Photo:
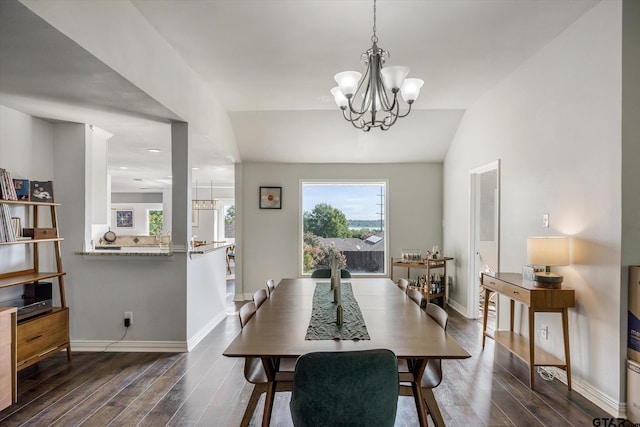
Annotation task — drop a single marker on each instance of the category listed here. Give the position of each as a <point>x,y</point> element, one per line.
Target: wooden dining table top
<point>393,321</point>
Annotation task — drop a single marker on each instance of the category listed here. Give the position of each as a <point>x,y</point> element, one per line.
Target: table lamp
<point>548,251</point>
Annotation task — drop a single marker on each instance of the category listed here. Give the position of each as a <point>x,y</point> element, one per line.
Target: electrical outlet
<point>544,332</point>
<point>545,220</point>
<point>128,315</point>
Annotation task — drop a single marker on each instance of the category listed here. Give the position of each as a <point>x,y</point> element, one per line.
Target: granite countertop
<point>129,251</point>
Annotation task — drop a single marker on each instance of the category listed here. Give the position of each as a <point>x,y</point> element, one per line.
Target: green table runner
<point>323,326</point>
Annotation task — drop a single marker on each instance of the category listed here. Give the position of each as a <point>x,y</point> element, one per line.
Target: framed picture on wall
<point>270,197</point>
<point>124,218</point>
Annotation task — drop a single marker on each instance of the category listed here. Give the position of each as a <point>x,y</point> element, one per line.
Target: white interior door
<point>484,228</point>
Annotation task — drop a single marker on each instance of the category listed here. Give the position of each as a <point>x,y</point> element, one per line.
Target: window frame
<point>354,182</point>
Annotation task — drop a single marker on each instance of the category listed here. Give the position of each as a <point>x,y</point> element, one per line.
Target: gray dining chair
<point>254,370</point>
<point>432,376</point>
<point>415,295</point>
<point>271,286</point>
<point>325,273</point>
<point>259,297</point>
<point>403,284</point>
<point>345,388</point>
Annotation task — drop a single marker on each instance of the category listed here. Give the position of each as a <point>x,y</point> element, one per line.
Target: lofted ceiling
<point>271,65</point>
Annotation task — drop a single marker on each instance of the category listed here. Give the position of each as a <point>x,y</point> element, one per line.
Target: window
<point>350,215</point>
<point>154,219</point>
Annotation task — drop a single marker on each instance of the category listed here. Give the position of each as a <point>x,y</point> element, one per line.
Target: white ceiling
<point>271,63</point>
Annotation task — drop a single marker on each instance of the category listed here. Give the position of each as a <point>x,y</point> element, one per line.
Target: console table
<point>429,264</point>
<point>537,299</point>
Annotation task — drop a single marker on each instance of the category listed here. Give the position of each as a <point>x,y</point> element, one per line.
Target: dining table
<point>393,321</point>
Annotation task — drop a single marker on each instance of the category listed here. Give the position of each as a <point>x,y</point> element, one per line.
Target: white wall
<point>269,239</point>
<point>555,125</point>
<point>26,152</point>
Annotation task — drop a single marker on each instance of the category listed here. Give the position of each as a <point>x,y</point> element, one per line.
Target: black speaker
<point>38,291</point>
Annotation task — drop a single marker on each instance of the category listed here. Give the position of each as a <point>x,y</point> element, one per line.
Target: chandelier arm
<point>353,120</point>
<point>408,111</point>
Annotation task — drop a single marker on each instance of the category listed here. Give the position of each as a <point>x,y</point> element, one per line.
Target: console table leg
<point>532,339</point>
<point>485,312</point>
<point>565,333</point>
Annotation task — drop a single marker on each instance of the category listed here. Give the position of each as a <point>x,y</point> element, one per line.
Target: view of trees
<point>326,221</point>
<point>230,216</point>
<point>155,223</point>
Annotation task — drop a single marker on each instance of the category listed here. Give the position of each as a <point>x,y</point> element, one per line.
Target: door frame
<point>473,299</point>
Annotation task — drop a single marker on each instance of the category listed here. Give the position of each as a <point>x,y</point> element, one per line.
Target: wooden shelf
<point>28,278</point>
<point>519,346</point>
<point>26,241</point>
<point>27,203</point>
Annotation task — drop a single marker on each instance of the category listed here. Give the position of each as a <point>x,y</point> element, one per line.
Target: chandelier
<point>204,204</point>
<point>373,100</point>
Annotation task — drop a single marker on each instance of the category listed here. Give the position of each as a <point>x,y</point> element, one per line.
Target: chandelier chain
<point>374,37</point>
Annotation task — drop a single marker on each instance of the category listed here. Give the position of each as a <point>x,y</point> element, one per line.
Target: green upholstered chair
<point>350,388</point>
<point>325,273</point>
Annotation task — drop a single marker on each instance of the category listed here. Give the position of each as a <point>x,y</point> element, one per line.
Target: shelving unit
<point>429,264</point>
<point>47,333</point>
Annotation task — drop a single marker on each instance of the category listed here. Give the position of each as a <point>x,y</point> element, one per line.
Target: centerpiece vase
<point>335,276</point>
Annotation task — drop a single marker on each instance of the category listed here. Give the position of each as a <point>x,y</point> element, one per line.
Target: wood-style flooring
<point>204,388</point>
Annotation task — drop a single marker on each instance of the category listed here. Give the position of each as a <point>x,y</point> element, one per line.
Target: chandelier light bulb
<point>348,82</point>
<point>393,77</point>
<point>411,89</point>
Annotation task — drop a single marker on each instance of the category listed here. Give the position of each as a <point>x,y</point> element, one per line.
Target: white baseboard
<point>597,397</point>
<point>130,346</point>
<point>243,297</point>
<point>202,333</point>
<point>457,307</point>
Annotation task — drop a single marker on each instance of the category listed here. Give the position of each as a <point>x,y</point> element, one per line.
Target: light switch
<point>545,221</point>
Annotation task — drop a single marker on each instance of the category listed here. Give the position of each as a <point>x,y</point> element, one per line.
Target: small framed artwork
<point>124,218</point>
<point>22,188</point>
<point>270,197</point>
<point>41,191</point>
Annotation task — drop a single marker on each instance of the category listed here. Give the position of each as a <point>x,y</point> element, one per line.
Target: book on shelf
<point>7,190</point>
<point>7,233</point>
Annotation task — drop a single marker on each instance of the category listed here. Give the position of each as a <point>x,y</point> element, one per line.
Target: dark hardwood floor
<point>205,388</point>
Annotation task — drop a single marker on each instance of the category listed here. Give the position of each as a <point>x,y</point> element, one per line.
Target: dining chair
<point>325,273</point>
<point>259,297</point>
<point>432,376</point>
<point>254,370</point>
<point>231,256</point>
<point>354,388</point>
<point>415,295</point>
<point>403,284</point>
<point>271,286</point>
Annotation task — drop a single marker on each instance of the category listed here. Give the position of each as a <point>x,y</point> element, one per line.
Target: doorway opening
<point>484,240</point>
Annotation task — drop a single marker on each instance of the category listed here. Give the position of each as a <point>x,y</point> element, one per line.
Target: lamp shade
<point>411,89</point>
<point>339,97</point>
<point>393,77</point>
<point>348,82</point>
<point>548,251</point>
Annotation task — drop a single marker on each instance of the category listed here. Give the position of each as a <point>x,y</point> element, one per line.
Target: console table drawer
<point>42,334</point>
<point>515,292</point>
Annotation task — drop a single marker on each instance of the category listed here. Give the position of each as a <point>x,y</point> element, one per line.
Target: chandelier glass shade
<point>372,101</point>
